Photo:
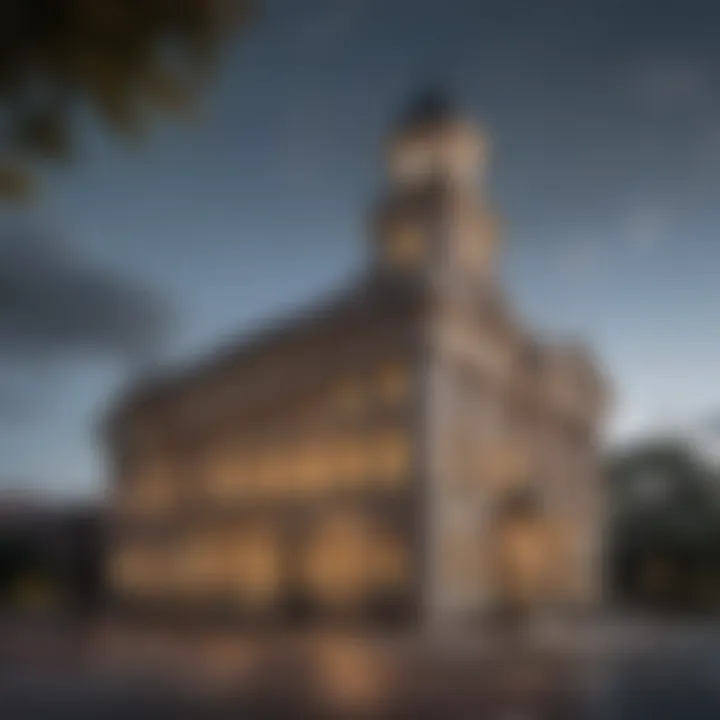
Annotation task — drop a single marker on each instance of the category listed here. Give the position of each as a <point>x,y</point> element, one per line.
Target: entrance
<point>520,551</point>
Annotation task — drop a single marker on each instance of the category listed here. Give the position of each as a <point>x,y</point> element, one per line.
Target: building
<point>403,451</point>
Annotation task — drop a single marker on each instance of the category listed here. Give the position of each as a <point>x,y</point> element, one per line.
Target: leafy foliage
<point>665,542</point>
<point>119,57</point>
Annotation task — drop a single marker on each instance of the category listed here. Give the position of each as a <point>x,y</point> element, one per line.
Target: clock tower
<point>433,220</point>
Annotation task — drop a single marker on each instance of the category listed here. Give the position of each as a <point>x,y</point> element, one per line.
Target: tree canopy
<point>664,534</point>
<point>120,58</point>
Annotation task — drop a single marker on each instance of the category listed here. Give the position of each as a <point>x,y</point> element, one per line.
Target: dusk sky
<point>605,124</point>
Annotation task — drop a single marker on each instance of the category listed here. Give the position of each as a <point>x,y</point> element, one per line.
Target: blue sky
<point>605,123</point>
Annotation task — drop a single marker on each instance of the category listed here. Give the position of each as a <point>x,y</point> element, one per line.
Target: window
<point>350,396</point>
<point>227,472</point>
<point>197,564</point>
<point>152,491</point>
<point>405,246</point>
<point>390,561</point>
<point>353,461</point>
<point>392,457</point>
<point>268,471</point>
<point>310,467</point>
<point>256,565</point>
<point>335,561</point>
<point>126,569</point>
<point>411,162</point>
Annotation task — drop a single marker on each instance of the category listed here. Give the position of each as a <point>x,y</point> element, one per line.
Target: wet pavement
<point>618,671</point>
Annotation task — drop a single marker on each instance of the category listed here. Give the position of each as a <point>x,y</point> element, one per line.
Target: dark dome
<point>429,106</point>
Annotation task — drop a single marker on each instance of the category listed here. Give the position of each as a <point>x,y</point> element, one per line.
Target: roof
<point>360,300</point>
<point>430,106</point>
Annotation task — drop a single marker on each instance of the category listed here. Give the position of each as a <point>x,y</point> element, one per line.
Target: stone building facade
<point>404,451</point>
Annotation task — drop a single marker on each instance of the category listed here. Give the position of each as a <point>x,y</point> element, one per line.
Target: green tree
<point>665,528</point>
<point>120,58</point>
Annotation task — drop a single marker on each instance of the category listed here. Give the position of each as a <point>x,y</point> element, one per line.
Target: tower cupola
<point>433,218</point>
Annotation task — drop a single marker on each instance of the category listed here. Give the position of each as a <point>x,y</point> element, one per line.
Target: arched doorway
<point>520,549</point>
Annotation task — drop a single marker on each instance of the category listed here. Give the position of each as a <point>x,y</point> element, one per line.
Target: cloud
<point>646,227</point>
<point>670,84</point>
<point>54,305</point>
<point>585,249</point>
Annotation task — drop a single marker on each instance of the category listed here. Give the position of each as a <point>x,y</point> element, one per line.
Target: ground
<point>619,670</point>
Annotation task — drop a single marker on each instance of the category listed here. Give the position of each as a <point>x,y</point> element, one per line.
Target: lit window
<point>126,569</point>
<point>405,246</point>
<point>350,397</point>
<point>152,491</point>
<point>257,565</point>
<point>307,472</point>
<point>352,461</point>
<point>391,568</point>
<point>197,564</point>
<point>392,457</point>
<point>225,471</point>
<point>411,162</point>
<point>140,569</point>
<point>265,469</point>
<point>336,561</point>
<point>277,469</point>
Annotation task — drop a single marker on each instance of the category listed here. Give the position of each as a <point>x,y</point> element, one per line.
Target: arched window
<point>350,396</point>
<point>335,561</point>
<point>391,457</point>
<point>255,565</point>
<point>390,561</point>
